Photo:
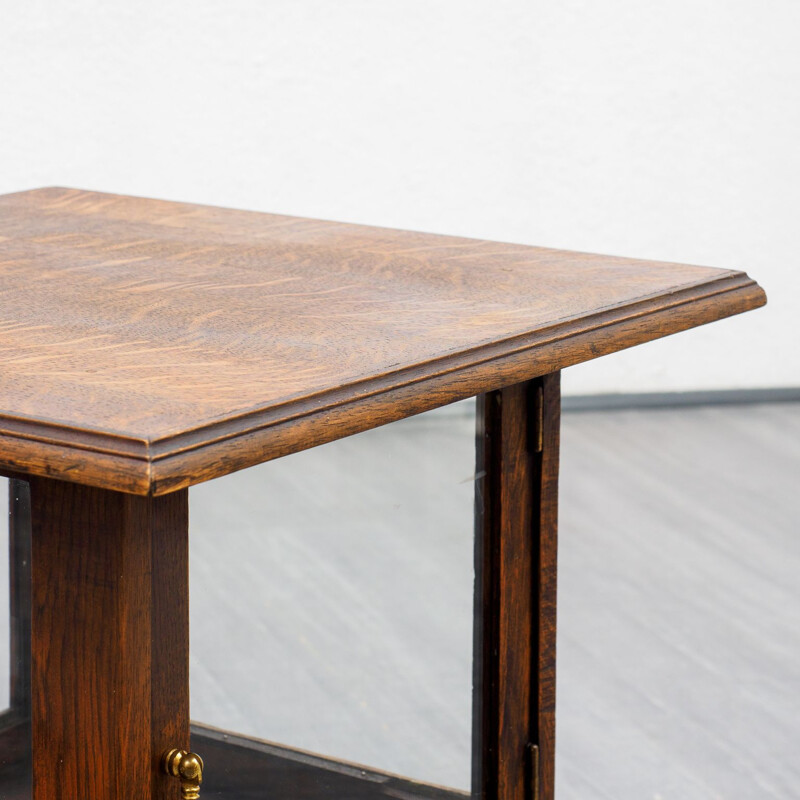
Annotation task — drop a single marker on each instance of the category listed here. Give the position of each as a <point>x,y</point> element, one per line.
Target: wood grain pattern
<point>546,562</point>
<point>515,524</point>
<point>109,641</point>
<point>147,345</point>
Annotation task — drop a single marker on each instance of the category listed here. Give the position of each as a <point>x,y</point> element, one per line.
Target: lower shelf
<point>15,757</point>
<point>15,781</point>
<point>240,768</point>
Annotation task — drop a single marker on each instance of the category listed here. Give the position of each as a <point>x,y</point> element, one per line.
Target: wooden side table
<point>147,346</point>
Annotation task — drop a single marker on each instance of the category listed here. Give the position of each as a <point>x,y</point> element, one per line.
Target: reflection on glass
<point>15,741</point>
<point>332,604</point>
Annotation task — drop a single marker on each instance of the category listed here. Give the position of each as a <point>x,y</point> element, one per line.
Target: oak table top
<point>148,345</point>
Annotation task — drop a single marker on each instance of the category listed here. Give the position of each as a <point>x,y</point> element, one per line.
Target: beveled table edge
<point>139,466</point>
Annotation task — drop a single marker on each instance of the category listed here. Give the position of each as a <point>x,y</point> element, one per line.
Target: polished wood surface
<point>516,507</point>
<point>546,570</point>
<point>109,639</point>
<point>147,345</point>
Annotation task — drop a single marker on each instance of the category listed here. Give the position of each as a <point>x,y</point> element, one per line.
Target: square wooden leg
<point>516,541</point>
<point>109,641</point>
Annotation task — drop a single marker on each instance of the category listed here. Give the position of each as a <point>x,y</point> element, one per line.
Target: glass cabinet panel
<point>332,612</point>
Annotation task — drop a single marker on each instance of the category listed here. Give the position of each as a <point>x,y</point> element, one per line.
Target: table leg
<point>515,621</point>
<point>109,641</point>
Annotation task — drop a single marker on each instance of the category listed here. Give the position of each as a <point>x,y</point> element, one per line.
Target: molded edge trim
<point>165,465</point>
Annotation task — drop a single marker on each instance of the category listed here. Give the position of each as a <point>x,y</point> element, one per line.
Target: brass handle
<point>188,767</point>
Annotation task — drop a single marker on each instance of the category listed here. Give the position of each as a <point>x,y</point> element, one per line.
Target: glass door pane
<point>332,610</point>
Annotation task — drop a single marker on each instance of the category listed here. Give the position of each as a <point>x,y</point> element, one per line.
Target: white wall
<point>663,130</point>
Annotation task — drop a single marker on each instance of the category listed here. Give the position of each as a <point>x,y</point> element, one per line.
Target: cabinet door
<point>395,647</point>
<point>375,617</point>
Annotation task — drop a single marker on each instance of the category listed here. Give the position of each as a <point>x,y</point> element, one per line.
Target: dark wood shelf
<point>241,768</point>
<point>16,768</point>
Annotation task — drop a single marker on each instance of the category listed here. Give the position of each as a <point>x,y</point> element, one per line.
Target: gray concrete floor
<point>332,602</point>
<point>332,596</point>
<point>680,605</point>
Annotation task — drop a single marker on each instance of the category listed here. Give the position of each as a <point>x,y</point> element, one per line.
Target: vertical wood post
<point>109,636</point>
<point>516,511</point>
<point>19,563</point>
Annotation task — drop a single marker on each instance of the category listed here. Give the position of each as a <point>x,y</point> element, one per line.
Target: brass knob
<point>188,767</point>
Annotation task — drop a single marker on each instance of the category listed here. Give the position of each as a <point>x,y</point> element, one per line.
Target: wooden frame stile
<point>516,513</point>
<point>109,640</point>
<point>19,562</point>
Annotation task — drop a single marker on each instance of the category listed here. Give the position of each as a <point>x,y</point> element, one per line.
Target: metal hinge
<point>533,766</point>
